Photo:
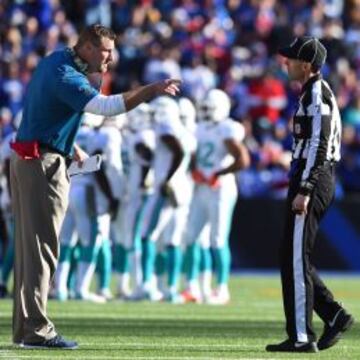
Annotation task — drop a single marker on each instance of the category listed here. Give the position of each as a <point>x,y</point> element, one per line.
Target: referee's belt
<point>302,162</point>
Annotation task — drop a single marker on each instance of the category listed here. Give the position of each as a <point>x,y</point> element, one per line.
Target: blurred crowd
<point>229,44</point>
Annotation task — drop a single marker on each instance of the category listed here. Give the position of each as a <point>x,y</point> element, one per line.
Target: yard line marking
<point>53,355</point>
<point>260,322</point>
<point>174,346</point>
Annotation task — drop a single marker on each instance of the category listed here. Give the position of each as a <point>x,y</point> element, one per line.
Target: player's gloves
<point>198,177</point>
<point>213,181</point>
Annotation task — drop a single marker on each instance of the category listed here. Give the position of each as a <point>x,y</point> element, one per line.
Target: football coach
<point>58,94</point>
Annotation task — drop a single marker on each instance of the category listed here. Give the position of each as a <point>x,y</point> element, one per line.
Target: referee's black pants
<point>303,290</point>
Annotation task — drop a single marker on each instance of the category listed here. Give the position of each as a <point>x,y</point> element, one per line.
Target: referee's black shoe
<point>333,331</point>
<point>291,346</point>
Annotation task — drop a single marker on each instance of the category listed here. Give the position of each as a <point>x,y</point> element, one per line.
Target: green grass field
<point>163,331</point>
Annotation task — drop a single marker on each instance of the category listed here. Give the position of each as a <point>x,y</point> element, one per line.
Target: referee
<point>316,150</point>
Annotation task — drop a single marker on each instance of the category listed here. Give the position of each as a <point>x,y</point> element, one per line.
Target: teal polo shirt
<point>54,102</point>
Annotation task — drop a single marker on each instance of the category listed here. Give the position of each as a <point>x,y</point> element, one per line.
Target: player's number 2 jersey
<point>212,154</point>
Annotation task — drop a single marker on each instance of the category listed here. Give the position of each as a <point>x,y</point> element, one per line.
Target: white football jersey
<point>132,162</point>
<point>163,156</point>
<point>5,150</point>
<point>107,139</point>
<point>212,154</point>
<point>181,181</point>
<point>82,139</point>
<point>5,154</point>
<point>125,151</point>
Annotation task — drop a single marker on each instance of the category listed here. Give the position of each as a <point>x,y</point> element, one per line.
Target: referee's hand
<point>300,204</point>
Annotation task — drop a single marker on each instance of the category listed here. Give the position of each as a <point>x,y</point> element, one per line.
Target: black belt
<point>302,162</point>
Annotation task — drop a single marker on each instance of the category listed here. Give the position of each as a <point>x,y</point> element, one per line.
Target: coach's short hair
<point>94,34</point>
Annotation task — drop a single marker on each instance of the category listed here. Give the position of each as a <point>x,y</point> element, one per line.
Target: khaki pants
<point>40,190</point>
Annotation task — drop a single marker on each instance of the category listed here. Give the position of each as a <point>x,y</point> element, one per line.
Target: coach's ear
<point>89,46</point>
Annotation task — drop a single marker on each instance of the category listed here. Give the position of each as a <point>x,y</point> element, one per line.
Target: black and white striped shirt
<point>316,129</point>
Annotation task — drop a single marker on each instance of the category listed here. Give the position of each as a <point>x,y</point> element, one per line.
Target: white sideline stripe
<point>147,319</point>
<point>53,355</point>
<point>149,345</point>
<point>130,357</point>
<point>239,325</point>
<point>299,280</point>
<point>173,346</point>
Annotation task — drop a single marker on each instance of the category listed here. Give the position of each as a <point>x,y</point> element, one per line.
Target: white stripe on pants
<point>299,279</point>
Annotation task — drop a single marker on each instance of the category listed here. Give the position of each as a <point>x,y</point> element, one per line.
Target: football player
<point>137,150</point>
<point>78,225</point>
<point>107,185</point>
<point>220,153</point>
<point>169,166</point>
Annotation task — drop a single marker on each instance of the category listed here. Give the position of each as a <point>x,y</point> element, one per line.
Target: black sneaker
<point>291,346</point>
<point>334,329</point>
<point>56,342</point>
